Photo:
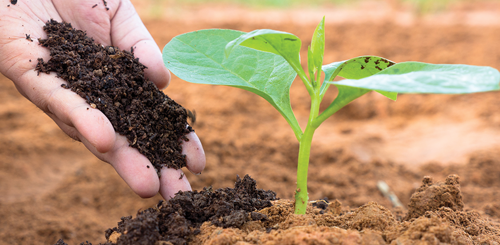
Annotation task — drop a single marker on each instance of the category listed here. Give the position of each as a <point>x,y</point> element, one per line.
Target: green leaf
<point>277,42</point>
<point>348,94</point>
<point>357,68</point>
<point>198,57</point>
<point>318,44</point>
<point>310,64</point>
<point>417,77</point>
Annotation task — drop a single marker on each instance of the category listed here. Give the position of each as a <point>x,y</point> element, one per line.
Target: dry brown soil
<point>51,187</point>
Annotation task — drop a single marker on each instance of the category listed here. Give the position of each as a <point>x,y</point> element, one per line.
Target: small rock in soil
<point>113,81</point>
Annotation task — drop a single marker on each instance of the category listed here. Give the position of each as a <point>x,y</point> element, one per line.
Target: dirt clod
<point>431,197</point>
<point>113,81</point>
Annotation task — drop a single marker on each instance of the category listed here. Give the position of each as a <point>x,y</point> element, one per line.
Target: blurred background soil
<point>51,187</point>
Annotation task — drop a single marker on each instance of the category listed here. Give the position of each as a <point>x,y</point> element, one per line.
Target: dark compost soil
<point>113,81</point>
<point>179,219</point>
<point>51,187</point>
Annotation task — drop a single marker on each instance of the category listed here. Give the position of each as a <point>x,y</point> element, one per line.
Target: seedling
<point>266,62</point>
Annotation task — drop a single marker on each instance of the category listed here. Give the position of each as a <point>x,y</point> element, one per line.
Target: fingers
<point>143,180</point>
<point>195,156</point>
<point>70,109</point>
<point>91,123</point>
<point>150,55</point>
<point>172,181</point>
<point>134,168</point>
<point>127,30</point>
<point>97,133</point>
<point>94,130</point>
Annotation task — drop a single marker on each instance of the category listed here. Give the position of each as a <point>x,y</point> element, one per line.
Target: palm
<point>121,27</point>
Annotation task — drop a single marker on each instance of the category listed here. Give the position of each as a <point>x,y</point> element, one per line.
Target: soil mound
<point>432,197</point>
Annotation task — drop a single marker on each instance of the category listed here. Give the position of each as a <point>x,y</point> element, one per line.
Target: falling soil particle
<point>105,4</point>
<point>113,81</point>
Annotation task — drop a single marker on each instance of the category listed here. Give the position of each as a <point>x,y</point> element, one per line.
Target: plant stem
<point>343,98</point>
<point>301,195</point>
<point>300,72</point>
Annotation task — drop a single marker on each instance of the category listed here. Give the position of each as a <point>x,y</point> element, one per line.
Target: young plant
<point>266,63</point>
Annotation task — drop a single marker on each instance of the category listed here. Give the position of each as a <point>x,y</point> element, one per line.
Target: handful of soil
<point>113,81</point>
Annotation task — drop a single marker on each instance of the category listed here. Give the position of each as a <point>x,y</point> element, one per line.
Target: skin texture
<point>119,26</point>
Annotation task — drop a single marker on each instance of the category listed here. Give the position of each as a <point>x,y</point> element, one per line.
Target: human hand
<point>119,26</point>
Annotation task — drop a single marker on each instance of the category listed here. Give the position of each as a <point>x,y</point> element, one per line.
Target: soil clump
<point>113,81</point>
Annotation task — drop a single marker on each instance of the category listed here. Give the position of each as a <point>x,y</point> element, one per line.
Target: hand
<point>119,26</point>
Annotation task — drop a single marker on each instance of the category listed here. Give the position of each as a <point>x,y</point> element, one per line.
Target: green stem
<point>342,100</point>
<point>295,126</point>
<point>301,195</point>
<point>300,72</point>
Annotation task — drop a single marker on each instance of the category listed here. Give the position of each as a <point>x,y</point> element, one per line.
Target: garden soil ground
<point>51,187</point>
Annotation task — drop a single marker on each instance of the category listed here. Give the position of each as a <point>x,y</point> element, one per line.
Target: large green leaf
<point>417,77</point>
<point>277,42</point>
<point>198,57</point>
